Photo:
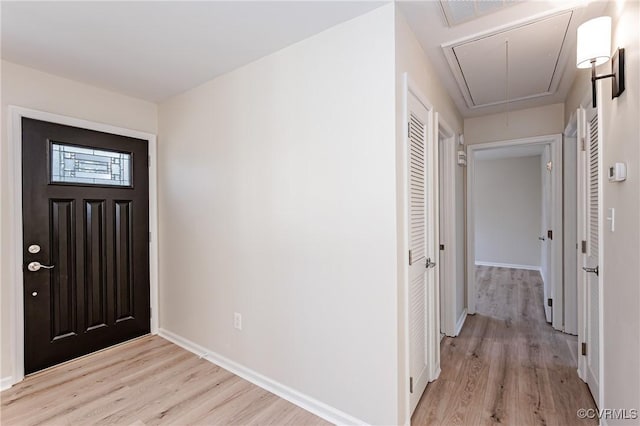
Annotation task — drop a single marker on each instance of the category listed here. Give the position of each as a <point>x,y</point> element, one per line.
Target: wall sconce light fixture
<point>594,48</point>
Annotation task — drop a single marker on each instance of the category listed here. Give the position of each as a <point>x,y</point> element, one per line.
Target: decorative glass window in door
<point>81,165</point>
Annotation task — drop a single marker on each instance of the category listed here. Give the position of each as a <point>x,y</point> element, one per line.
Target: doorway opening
<point>497,236</point>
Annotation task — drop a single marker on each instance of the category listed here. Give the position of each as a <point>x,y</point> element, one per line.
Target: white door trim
<point>16,114</point>
<point>433,334</point>
<point>581,128</point>
<point>448,268</point>
<point>555,141</point>
<point>571,243</point>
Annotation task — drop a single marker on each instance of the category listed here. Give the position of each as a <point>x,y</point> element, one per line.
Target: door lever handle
<point>36,266</point>
<point>591,270</point>
<point>430,264</point>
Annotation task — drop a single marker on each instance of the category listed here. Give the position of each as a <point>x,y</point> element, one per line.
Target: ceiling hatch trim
<point>458,12</point>
<point>536,60</point>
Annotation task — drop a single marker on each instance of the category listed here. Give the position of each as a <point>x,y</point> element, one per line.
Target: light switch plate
<point>612,219</point>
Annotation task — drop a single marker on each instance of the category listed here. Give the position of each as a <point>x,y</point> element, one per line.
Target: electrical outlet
<point>237,321</point>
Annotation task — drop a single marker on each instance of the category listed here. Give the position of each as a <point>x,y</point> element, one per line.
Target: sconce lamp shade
<point>594,42</point>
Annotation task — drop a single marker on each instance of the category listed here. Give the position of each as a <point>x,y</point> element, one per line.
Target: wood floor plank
<point>65,399</point>
<point>147,381</point>
<point>508,366</point>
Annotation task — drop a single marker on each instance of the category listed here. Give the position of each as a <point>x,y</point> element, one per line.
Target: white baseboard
<point>436,374</point>
<point>6,383</point>
<point>306,402</point>
<point>507,265</point>
<point>461,321</point>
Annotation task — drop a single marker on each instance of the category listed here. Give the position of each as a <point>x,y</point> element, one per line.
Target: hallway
<point>508,365</point>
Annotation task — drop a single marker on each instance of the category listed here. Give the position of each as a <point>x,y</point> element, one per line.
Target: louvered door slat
<point>593,185</point>
<point>420,236</point>
<point>417,225</point>
<point>593,258</point>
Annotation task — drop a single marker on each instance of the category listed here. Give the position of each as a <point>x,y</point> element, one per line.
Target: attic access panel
<point>534,48</point>
<point>457,12</point>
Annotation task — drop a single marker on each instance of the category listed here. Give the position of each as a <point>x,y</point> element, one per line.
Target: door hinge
<point>408,128</point>
<point>149,161</point>
<point>410,258</point>
<point>550,234</point>
<point>441,246</point>
<point>411,384</point>
<point>149,236</point>
<point>584,349</point>
<point>550,165</point>
<point>549,302</point>
<point>150,312</point>
<point>584,246</point>
<point>582,144</point>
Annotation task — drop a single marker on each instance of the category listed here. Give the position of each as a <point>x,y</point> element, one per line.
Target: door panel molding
<point>96,271</point>
<point>16,276</point>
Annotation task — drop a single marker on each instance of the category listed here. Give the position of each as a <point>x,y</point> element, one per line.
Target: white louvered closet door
<point>592,258</point>
<point>420,238</point>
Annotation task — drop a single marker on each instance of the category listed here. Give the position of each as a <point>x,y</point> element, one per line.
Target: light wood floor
<point>148,381</point>
<point>507,366</point>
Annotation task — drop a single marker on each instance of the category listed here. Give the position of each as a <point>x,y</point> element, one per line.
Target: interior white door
<point>545,246</point>
<point>421,241</point>
<point>591,260</point>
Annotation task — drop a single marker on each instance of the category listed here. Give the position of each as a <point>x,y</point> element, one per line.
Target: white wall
<point>34,89</point>
<point>524,123</point>
<point>508,194</point>
<point>621,288</point>
<point>410,58</point>
<point>621,267</point>
<point>278,201</point>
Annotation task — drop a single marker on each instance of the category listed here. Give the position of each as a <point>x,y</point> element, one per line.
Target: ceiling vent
<point>511,63</point>
<point>460,11</point>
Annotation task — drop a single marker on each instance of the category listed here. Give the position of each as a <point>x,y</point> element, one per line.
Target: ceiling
<point>153,50</point>
<point>512,55</point>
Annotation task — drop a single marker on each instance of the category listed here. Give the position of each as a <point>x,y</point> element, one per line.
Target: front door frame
<point>16,275</point>
<point>555,142</point>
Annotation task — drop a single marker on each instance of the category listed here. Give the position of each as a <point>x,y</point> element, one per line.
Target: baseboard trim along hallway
<point>508,265</point>
<point>6,382</point>
<point>312,405</point>
<point>461,321</point>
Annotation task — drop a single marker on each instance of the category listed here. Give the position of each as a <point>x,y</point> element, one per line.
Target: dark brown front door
<point>85,198</point>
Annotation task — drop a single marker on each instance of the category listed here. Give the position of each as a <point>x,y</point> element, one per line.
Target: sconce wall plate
<point>617,69</point>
